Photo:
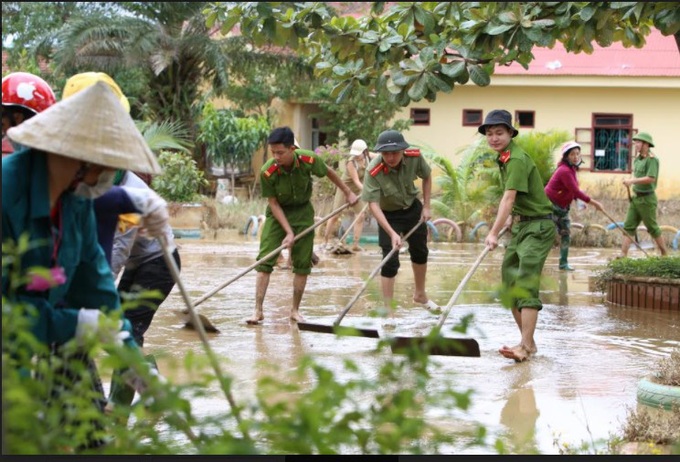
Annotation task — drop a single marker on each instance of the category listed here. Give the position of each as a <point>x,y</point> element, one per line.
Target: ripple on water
<point>577,387</point>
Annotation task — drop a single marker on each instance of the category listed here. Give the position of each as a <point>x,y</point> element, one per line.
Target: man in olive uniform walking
<point>533,233</point>
<point>286,182</point>
<point>643,205</point>
<point>392,195</point>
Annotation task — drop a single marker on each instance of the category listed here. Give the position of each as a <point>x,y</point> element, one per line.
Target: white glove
<point>153,208</point>
<point>89,326</point>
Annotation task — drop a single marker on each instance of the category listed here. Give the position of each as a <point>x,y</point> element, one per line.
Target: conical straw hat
<point>91,126</point>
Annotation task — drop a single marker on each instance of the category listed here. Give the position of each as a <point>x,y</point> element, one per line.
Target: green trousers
<point>524,259</point>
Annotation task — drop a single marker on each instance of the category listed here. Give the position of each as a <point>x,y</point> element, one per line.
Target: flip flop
<point>432,307</point>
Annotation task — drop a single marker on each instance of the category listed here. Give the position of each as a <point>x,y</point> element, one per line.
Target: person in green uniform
<point>286,182</point>
<point>392,195</point>
<point>643,205</point>
<point>352,176</point>
<point>525,203</point>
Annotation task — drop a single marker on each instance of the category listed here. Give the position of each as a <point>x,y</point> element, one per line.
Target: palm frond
<point>166,135</point>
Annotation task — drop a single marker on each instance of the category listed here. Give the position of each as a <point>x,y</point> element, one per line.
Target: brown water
<point>578,388</point>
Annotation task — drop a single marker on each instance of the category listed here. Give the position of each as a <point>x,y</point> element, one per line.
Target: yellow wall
<point>564,103</point>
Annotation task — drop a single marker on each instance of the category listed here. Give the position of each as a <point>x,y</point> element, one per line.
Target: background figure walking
<point>562,189</point>
<point>643,204</point>
<point>352,176</point>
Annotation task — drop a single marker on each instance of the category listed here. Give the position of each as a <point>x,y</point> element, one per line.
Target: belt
<point>528,218</point>
<point>643,193</point>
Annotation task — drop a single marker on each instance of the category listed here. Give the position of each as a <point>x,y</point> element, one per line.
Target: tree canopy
<point>418,49</point>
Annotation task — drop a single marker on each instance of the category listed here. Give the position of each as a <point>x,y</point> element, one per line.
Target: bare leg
<point>529,321</point>
<point>358,228</point>
<point>330,228</point>
<point>526,320</point>
<point>625,245</point>
<point>261,284</point>
<point>419,273</point>
<point>662,245</point>
<point>388,291</point>
<point>299,284</point>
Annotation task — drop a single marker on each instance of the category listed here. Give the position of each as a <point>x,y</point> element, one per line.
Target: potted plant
<point>652,283</point>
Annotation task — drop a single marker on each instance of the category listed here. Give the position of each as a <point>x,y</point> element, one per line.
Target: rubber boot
<point>121,394</point>
<point>564,253</point>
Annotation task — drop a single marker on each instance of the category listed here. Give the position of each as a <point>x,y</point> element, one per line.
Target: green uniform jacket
<point>393,188</point>
<point>293,188</point>
<point>519,173</point>
<point>25,209</point>
<point>649,166</point>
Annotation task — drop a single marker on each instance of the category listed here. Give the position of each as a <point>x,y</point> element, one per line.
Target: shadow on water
<point>576,389</point>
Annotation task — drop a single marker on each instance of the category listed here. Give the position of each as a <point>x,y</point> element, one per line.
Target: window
<point>420,116</point>
<point>525,119</point>
<point>611,142</point>
<point>472,117</point>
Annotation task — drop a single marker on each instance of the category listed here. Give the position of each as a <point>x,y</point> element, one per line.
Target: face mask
<point>17,146</point>
<point>104,183</point>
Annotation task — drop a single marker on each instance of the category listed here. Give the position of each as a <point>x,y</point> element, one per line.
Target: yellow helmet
<point>83,80</point>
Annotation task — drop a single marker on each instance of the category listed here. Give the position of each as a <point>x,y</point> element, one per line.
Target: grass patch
<point>657,267</point>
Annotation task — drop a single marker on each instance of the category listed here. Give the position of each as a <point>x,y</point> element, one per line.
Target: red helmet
<point>28,91</point>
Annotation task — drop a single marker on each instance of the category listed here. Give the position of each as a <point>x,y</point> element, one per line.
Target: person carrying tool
<point>130,242</point>
<point>642,207</point>
<point>562,189</point>
<point>352,176</point>
<point>286,182</point>
<point>533,231</point>
<point>130,216</point>
<point>390,191</point>
<point>70,149</point>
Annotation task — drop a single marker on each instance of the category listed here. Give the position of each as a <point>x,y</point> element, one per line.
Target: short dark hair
<point>282,135</point>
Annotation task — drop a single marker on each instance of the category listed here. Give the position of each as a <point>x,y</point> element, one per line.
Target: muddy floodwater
<point>578,388</point>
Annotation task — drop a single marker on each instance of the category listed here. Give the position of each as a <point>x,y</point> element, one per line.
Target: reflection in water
<point>583,378</point>
<point>564,289</point>
<point>520,413</point>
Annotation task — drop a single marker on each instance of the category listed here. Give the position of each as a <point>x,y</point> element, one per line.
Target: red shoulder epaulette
<point>504,157</point>
<point>308,159</point>
<point>413,152</point>
<point>381,167</point>
<point>272,168</point>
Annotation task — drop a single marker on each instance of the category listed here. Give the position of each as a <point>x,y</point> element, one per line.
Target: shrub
<point>657,267</point>
<point>181,178</point>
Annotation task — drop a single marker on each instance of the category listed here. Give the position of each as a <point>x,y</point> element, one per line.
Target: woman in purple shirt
<point>562,189</point>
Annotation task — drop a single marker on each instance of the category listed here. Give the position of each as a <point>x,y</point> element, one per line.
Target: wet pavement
<point>578,388</point>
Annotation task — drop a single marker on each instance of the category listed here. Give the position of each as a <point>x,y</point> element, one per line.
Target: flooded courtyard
<point>578,387</point>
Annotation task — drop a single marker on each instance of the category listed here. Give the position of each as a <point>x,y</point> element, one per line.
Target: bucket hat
<point>568,146</point>
<point>83,80</point>
<point>358,148</point>
<point>498,117</point>
<point>390,141</point>
<point>646,137</point>
<point>91,126</point>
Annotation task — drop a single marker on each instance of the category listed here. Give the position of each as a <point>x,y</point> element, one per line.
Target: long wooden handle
<point>270,254</point>
<point>624,232</point>
<point>354,222</point>
<point>174,271</point>
<point>372,275</point>
<point>461,285</point>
